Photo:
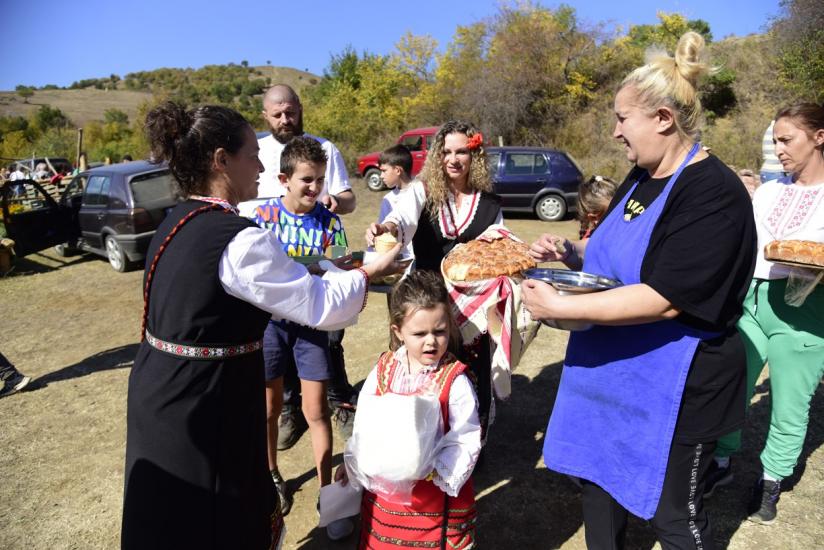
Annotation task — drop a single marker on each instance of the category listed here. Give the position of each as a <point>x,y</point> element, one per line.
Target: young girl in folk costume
<point>594,197</point>
<point>451,202</point>
<point>442,509</point>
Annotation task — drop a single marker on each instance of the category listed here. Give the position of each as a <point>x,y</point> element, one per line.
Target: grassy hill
<point>82,106</point>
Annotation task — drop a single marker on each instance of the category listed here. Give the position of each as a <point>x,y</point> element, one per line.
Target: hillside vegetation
<point>527,75</point>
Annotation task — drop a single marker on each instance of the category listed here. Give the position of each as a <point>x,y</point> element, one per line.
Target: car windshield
<point>153,189</point>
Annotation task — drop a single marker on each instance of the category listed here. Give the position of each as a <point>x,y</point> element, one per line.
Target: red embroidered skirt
<point>386,525</point>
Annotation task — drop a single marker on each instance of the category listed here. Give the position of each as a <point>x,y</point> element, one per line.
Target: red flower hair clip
<point>476,141</point>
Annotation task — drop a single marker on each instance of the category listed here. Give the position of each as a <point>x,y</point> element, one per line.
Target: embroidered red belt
<point>202,352</point>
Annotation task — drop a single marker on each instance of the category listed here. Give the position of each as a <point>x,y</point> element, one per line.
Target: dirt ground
<point>73,325</point>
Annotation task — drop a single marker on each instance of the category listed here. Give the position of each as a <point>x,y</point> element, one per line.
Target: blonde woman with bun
<point>647,391</point>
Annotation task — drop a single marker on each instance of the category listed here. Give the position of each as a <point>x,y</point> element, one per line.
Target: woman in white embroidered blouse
<point>790,337</point>
<point>449,194</point>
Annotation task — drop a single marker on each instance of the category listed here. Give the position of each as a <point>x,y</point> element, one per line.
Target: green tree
<point>49,117</point>
<point>15,145</point>
<point>799,36</point>
<point>115,116</point>
<point>24,91</point>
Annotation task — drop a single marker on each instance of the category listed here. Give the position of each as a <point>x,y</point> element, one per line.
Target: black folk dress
<point>196,467</point>
<point>433,240</point>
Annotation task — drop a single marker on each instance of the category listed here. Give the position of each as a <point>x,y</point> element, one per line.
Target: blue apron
<point>621,387</point>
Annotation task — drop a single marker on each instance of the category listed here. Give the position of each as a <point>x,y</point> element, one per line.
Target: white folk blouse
<point>408,210</point>
<point>460,446</point>
<point>255,269</point>
<point>786,211</point>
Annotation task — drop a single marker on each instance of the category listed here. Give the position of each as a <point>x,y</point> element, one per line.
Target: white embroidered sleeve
<point>461,445</point>
<point>255,269</point>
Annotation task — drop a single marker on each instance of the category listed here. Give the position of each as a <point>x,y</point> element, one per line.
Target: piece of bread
<point>385,242</point>
<point>477,260</point>
<point>802,252</point>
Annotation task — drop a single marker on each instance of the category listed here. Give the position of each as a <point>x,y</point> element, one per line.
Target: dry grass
<point>73,325</point>
<point>82,106</point>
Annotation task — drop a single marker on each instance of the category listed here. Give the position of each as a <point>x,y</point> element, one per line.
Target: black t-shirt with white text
<point>701,257</point>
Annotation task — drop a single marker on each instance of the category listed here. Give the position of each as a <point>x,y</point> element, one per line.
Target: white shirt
<point>336,181</point>
<point>459,448</point>
<point>255,269</point>
<point>771,162</point>
<point>17,175</point>
<point>407,212</point>
<point>786,211</point>
<point>389,202</point>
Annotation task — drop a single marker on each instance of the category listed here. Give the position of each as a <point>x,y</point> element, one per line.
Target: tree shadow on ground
<point>728,506</point>
<point>115,358</point>
<point>33,264</point>
<point>521,503</point>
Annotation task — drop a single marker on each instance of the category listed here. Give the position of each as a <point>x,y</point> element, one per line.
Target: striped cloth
<point>494,306</point>
<point>771,162</point>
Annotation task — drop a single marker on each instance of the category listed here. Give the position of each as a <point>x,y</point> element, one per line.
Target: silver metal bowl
<point>571,282</point>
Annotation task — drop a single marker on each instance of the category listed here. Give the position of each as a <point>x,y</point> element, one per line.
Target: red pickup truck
<point>417,141</point>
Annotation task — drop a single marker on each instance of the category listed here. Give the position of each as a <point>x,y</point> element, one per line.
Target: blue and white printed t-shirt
<point>308,234</point>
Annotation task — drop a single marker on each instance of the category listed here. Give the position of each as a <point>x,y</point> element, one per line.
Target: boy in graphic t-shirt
<point>305,228</point>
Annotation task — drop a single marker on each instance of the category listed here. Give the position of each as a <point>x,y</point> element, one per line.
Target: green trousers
<point>791,340</point>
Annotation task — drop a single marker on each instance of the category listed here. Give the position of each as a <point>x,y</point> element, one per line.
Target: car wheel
<point>114,252</point>
<point>373,180</point>
<point>551,208</point>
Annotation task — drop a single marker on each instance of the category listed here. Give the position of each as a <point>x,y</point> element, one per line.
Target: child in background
<point>305,228</point>
<point>442,510</point>
<point>594,197</point>
<point>396,166</point>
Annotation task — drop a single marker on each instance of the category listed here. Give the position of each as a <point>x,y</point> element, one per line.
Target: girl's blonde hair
<point>667,81</point>
<point>420,289</point>
<point>433,173</point>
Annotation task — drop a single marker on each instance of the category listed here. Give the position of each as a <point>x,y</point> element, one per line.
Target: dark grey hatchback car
<point>112,211</point>
<point>532,179</point>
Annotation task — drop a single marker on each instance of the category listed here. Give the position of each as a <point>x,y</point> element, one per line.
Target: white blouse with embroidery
<point>452,220</point>
<point>459,448</point>
<point>255,269</point>
<point>786,211</point>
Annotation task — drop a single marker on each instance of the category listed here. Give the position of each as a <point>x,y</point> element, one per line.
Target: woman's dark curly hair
<point>188,140</point>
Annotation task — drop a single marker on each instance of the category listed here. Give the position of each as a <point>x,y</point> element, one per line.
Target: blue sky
<point>58,42</point>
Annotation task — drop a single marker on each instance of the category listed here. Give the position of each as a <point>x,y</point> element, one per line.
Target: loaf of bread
<point>480,259</point>
<point>802,252</point>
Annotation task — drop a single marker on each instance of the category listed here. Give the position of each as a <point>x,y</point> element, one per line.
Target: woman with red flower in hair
<point>451,202</point>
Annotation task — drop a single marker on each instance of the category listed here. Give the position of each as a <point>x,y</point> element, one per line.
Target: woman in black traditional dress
<point>451,202</point>
<point>196,471</point>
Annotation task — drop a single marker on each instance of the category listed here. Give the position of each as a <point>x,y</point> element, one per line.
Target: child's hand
<point>376,229</point>
<point>341,475</point>
<point>373,231</point>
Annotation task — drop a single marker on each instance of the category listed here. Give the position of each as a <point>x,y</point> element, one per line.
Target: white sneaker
<point>340,529</point>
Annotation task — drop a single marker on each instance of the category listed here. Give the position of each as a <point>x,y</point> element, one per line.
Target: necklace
<point>216,200</point>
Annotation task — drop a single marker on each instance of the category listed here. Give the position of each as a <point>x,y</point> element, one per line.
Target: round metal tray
<point>570,282</point>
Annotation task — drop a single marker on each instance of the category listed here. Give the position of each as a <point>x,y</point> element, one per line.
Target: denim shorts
<point>286,343</point>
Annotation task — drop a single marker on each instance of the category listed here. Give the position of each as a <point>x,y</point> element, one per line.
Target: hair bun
<point>689,57</point>
<point>166,125</point>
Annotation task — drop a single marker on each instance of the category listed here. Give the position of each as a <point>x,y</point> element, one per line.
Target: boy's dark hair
<point>397,155</point>
<point>420,289</point>
<point>301,149</point>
